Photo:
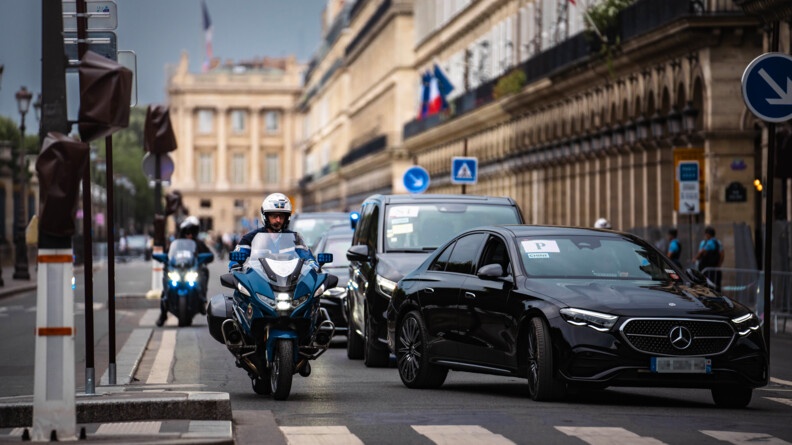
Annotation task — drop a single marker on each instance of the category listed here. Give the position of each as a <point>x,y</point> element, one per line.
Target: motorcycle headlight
<point>283,301</point>
<point>191,276</point>
<point>298,301</point>
<point>242,290</point>
<point>266,300</point>
<point>385,286</point>
<point>174,276</point>
<point>746,324</point>
<point>595,320</point>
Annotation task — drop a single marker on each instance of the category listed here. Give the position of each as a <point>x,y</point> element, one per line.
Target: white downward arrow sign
<point>417,182</point>
<point>784,97</point>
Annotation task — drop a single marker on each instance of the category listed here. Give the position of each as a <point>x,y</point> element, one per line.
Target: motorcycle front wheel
<point>185,317</point>
<point>282,369</point>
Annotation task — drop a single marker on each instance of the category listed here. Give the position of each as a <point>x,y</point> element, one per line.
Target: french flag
<point>439,88</point>
<point>207,27</point>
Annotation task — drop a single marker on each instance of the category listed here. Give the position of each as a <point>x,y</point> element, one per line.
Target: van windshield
<point>424,227</point>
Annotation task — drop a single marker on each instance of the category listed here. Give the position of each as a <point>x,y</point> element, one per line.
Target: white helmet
<point>276,203</point>
<point>190,225</point>
<point>602,223</point>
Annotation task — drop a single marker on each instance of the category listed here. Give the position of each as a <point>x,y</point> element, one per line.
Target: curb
<point>132,406</point>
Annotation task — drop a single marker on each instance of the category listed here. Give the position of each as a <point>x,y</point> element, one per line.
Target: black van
<point>395,234</point>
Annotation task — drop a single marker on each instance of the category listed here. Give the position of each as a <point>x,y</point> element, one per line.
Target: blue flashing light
<point>174,283</point>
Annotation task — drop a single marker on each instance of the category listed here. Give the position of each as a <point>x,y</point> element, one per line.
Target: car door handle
<point>429,290</point>
<point>470,295</point>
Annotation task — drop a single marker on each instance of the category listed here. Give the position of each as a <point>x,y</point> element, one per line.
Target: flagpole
<point>603,38</point>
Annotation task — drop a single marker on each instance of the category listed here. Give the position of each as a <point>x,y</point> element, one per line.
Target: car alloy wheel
<point>542,384</point>
<point>411,359</point>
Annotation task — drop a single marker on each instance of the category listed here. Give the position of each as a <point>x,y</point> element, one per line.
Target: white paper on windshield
<point>540,246</point>
<point>538,255</point>
<point>400,221</point>
<point>401,229</point>
<point>403,212</point>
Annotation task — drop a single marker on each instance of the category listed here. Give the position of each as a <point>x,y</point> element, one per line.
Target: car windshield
<point>137,242</point>
<point>313,227</point>
<point>424,227</point>
<point>592,257</point>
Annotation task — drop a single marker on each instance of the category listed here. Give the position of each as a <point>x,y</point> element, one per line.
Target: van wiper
<point>413,250</point>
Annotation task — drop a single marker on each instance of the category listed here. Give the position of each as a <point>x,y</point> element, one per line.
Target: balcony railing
<point>370,147</point>
<point>639,18</point>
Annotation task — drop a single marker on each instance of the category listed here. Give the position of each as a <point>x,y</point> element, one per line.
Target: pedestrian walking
<point>674,251</point>
<point>710,257</point>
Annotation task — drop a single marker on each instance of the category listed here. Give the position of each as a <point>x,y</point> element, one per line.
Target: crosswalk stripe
<point>319,435</point>
<point>128,428</point>
<point>738,438</point>
<point>780,400</point>
<point>460,435</point>
<point>607,435</point>
<point>162,362</point>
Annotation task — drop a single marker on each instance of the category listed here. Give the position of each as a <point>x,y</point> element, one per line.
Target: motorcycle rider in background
<point>276,210</point>
<point>188,229</point>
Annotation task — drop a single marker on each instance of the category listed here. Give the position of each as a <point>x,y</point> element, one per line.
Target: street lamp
<point>23,97</point>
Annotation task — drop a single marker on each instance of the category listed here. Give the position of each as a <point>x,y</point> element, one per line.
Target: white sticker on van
<point>402,229</point>
<point>538,255</point>
<point>540,245</point>
<point>403,212</point>
<point>400,221</point>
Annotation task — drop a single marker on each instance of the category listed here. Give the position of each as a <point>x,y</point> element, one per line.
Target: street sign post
<point>688,177</point>
<point>150,169</point>
<point>767,87</point>
<point>101,42</point>
<point>464,170</point>
<point>416,179</point>
<point>102,15</point>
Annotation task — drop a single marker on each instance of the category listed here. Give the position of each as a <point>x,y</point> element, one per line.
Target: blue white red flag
<point>439,89</point>
<point>426,79</point>
<point>207,27</point>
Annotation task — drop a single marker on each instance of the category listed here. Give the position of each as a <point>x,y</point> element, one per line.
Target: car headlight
<point>385,286</point>
<point>595,320</point>
<point>746,323</point>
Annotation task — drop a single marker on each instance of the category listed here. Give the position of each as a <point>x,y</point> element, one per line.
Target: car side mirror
<point>161,257</point>
<point>490,271</point>
<point>358,253</point>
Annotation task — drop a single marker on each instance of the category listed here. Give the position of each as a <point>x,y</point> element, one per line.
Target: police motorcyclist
<point>188,229</point>
<point>276,210</point>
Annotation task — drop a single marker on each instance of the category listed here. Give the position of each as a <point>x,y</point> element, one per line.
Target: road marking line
<point>319,435</point>
<point>162,362</point>
<point>738,438</point>
<point>780,400</point>
<point>780,382</point>
<point>460,435</point>
<point>607,435</point>
<point>128,428</point>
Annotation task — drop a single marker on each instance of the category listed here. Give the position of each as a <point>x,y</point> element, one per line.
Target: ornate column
<point>187,176</point>
<point>255,148</point>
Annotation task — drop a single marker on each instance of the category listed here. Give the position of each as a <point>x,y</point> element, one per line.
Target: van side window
<point>373,228</point>
<point>361,232</point>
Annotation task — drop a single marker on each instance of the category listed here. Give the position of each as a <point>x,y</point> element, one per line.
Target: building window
<point>206,203</point>
<point>272,122</point>
<point>238,168</point>
<point>205,121</point>
<point>238,121</point>
<point>239,204</point>
<point>205,168</point>
<point>272,169</point>
<point>206,223</point>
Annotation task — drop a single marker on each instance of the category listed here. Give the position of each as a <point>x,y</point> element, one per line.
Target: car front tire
<point>354,340</point>
<point>542,383</point>
<point>411,358</point>
<point>732,396</point>
<point>375,355</point>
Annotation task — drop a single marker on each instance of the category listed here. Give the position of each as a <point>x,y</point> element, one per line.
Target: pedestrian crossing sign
<point>464,170</point>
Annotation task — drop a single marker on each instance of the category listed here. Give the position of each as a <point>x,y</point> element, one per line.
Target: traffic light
<point>758,185</point>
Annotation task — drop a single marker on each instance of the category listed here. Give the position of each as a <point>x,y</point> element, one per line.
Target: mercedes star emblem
<point>680,337</point>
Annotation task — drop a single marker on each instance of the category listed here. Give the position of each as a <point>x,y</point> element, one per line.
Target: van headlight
<point>595,320</point>
<point>385,286</point>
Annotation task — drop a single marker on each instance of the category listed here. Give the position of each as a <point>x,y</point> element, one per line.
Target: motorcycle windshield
<point>278,250</point>
<point>182,252</point>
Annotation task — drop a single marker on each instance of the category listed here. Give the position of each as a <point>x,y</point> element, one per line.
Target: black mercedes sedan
<point>565,306</point>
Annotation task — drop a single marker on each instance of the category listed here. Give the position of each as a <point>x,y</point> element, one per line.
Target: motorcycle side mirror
<point>228,280</point>
<point>205,257</point>
<point>161,257</point>
<point>324,258</point>
<point>331,282</point>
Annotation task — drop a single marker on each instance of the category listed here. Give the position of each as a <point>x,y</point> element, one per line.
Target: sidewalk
<point>126,413</point>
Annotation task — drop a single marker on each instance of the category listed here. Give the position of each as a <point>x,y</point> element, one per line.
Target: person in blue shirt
<point>710,257</point>
<point>674,247</point>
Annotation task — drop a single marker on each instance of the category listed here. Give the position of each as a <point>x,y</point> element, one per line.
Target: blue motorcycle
<point>271,322</point>
<point>184,294</point>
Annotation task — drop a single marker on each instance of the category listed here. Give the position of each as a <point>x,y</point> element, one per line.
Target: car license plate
<point>681,365</point>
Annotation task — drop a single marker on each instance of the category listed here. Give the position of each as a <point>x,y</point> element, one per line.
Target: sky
<point>158,31</point>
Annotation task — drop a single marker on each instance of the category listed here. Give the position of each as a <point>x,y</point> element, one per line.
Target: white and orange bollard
<point>54,409</point>
<point>156,276</point>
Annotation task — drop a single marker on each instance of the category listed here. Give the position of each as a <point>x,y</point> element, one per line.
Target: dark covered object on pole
<point>105,95</point>
<point>158,136</point>
<point>60,165</point>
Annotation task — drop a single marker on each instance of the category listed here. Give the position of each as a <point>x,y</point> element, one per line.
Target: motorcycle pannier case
<point>220,309</point>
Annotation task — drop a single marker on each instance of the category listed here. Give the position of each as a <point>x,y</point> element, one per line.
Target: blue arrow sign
<point>416,179</point>
<point>767,87</point>
<point>464,170</point>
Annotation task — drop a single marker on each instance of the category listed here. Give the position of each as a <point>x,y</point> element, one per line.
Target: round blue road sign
<point>767,87</point>
<point>416,179</point>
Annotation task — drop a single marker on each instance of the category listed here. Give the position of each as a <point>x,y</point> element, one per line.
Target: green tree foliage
<point>128,155</point>
<point>510,83</point>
